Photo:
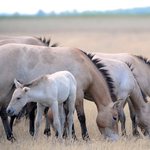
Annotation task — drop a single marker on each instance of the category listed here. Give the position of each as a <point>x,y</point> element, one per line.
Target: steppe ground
<point>107,34</point>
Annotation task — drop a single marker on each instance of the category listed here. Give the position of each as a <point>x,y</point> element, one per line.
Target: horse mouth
<point>10,112</point>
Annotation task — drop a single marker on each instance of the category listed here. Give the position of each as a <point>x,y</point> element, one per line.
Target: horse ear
<point>17,84</point>
<point>116,104</point>
<point>26,89</point>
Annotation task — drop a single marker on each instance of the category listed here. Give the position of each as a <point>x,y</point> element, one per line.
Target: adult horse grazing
<point>27,62</point>
<point>126,87</point>
<point>48,91</point>
<point>23,40</point>
<point>140,64</point>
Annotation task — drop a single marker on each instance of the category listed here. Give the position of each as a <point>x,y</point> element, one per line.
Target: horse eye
<point>18,98</point>
<point>114,118</point>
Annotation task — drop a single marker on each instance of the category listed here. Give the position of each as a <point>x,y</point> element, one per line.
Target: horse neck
<point>100,92</point>
<point>34,94</point>
<point>137,99</point>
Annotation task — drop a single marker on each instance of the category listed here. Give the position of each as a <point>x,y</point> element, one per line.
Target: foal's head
<point>18,100</point>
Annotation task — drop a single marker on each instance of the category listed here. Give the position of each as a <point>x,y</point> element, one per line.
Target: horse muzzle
<point>10,111</point>
<point>111,137</point>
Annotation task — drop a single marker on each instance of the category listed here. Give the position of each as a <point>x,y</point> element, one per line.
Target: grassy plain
<point>116,34</point>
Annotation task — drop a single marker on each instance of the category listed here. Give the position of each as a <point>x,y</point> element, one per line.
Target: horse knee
<point>56,124</point>
<point>37,124</point>
<point>70,118</point>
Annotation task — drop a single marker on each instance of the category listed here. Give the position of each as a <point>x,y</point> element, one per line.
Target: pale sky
<point>32,6</point>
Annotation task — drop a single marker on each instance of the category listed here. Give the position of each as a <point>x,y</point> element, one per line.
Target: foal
<point>48,91</point>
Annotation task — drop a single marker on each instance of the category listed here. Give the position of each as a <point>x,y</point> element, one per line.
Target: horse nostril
<point>114,118</point>
<point>8,111</point>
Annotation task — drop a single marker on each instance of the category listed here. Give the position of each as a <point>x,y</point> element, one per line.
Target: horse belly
<point>63,94</point>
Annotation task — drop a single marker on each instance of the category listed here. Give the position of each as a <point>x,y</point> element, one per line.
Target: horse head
<point>18,99</point>
<point>107,121</point>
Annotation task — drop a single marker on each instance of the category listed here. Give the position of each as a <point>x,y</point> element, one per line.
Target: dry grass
<point>97,34</point>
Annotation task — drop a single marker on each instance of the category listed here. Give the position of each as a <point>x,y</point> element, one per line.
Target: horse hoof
<point>11,138</point>
<point>47,132</point>
<point>86,138</point>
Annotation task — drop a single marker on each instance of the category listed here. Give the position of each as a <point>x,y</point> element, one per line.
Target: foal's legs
<point>56,122</point>
<point>62,116</point>
<point>40,110</point>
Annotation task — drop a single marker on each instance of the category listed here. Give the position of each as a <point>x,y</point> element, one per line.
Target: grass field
<point>91,34</point>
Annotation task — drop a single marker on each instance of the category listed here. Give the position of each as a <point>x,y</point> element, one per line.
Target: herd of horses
<point>108,80</point>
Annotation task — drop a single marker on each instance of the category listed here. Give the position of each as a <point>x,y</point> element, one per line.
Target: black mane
<point>47,42</point>
<point>144,59</point>
<point>105,73</point>
<point>143,94</point>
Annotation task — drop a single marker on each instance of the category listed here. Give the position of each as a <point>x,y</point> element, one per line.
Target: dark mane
<point>47,42</point>
<point>144,59</point>
<point>34,82</point>
<point>143,94</point>
<point>105,73</point>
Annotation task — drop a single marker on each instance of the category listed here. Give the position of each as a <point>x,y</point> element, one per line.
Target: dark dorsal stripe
<point>47,42</point>
<point>105,73</point>
<point>143,94</point>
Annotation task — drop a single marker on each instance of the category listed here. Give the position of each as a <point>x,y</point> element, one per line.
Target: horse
<point>31,41</point>
<point>126,87</point>
<point>27,62</point>
<point>140,64</point>
<point>48,91</point>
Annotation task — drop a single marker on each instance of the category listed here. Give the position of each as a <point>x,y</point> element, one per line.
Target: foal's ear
<point>26,89</point>
<point>17,84</point>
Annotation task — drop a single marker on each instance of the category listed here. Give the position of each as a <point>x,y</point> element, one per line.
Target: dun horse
<point>140,65</point>
<point>27,62</point>
<point>23,40</point>
<point>48,91</point>
<point>126,87</point>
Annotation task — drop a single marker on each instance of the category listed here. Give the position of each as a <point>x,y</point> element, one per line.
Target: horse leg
<point>135,131</point>
<point>62,116</point>
<point>70,116</point>
<point>31,121</point>
<point>8,131</point>
<point>81,117</point>
<point>40,110</point>
<point>122,117</point>
<point>12,118</point>
<point>47,130</point>
<point>56,122</point>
